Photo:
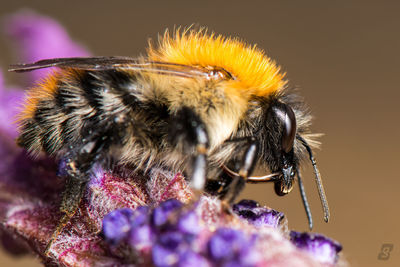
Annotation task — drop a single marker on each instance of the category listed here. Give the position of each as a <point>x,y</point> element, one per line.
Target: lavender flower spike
<point>117,225</point>
<point>256,215</point>
<point>38,37</point>
<point>9,99</point>
<point>320,247</point>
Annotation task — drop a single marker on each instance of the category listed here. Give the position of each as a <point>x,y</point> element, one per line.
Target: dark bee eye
<point>286,115</point>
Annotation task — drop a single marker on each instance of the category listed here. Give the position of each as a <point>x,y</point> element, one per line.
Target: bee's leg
<point>191,131</point>
<point>246,168</point>
<point>218,187</point>
<point>78,164</point>
<point>72,197</point>
<point>199,173</point>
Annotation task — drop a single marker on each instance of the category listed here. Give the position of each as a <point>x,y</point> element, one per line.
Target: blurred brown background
<point>345,59</point>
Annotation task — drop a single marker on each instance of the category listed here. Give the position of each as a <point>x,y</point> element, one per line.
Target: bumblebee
<point>199,103</point>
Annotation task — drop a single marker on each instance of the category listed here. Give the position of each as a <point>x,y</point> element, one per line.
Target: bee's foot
<point>226,207</point>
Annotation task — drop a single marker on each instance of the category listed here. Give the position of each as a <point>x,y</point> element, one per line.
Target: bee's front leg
<point>246,167</point>
<point>188,130</point>
<point>76,166</point>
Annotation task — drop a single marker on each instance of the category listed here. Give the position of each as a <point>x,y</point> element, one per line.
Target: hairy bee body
<point>199,103</point>
<point>140,113</point>
<point>137,110</point>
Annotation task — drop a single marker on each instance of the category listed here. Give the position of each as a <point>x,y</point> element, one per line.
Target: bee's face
<point>281,123</point>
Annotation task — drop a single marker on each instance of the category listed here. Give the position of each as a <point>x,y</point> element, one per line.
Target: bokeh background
<point>344,57</point>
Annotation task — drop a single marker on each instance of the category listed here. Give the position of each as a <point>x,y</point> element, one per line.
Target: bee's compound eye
<point>288,119</point>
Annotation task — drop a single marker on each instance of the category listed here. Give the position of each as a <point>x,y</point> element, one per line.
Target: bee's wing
<point>108,63</point>
<point>88,63</point>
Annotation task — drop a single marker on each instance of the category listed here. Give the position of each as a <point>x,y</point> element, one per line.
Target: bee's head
<point>281,128</point>
<point>283,146</point>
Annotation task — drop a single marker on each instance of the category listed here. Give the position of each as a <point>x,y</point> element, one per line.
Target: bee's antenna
<point>305,202</point>
<point>318,180</point>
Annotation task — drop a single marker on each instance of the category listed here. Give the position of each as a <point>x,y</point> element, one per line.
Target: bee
<point>212,107</point>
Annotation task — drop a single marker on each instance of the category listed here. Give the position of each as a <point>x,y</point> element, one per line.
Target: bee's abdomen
<point>42,131</point>
<point>71,105</point>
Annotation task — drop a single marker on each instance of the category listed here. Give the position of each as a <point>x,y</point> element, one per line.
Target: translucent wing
<point>109,63</point>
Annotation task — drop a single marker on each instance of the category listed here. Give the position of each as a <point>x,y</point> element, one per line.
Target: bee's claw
<point>47,249</point>
<point>226,207</point>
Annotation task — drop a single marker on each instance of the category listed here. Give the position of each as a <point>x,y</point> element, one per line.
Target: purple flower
<point>141,216</point>
<point>131,226</point>
<point>156,230</point>
<point>188,223</point>
<point>245,204</point>
<point>117,225</point>
<point>141,237</point>
<point>256,215</point>
<point>230,247</point>
<point>320,247</point>
<point>179,237</point>
<point>10,99</point>
<point>224,243</point>
<point>163,256</point>
<point>38,37</point>
<point>191,258</point>
<point>169,238</point>
<point>162,213</point>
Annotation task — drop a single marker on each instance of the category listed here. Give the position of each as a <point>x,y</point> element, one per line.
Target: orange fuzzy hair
<point>43,90</point>
<point>254,71</point>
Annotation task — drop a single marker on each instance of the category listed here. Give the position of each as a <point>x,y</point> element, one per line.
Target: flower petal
<point>322,248</point>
